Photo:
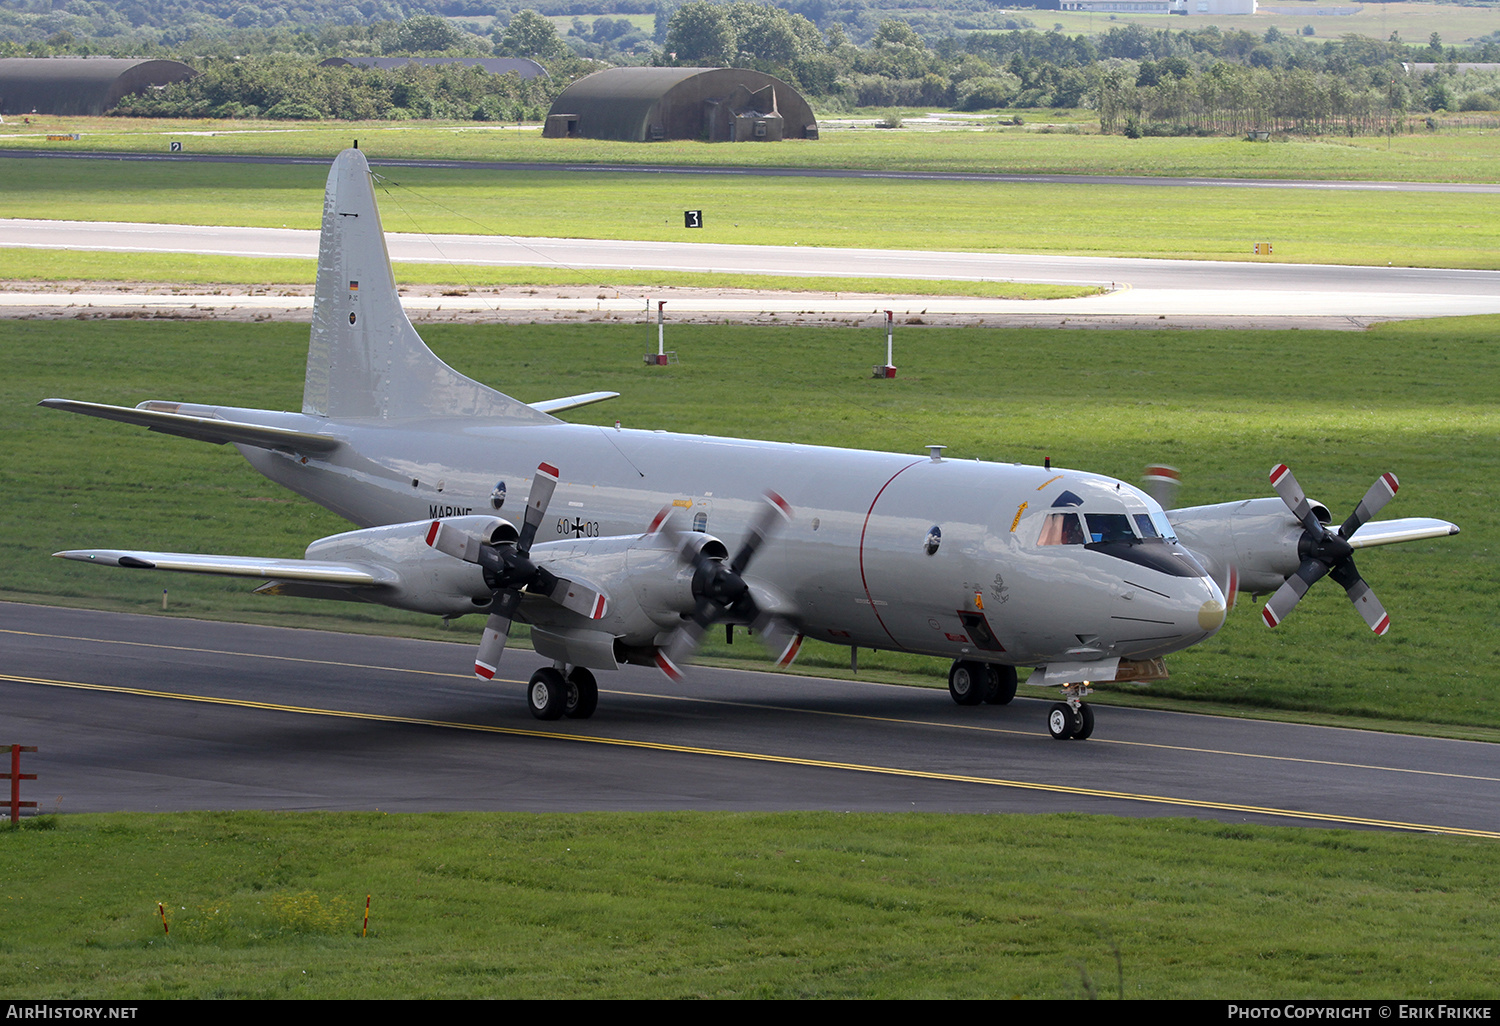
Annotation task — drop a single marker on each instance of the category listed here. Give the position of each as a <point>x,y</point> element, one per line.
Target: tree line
<point>1138,80</point>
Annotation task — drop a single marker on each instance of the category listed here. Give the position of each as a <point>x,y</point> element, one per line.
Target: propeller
<point>721,593</point>
<point>509,571</point>
<point>1328,553</point>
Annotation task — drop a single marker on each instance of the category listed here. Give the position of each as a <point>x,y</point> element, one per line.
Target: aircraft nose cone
<point>1211,615</point>
<point>1204,607</point>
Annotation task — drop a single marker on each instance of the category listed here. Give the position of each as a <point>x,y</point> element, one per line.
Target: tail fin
<point>365,359</point>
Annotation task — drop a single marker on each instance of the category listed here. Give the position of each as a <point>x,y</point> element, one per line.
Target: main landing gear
<point>553,694</point>
<point>971,682</point>
<point>1071,719</point>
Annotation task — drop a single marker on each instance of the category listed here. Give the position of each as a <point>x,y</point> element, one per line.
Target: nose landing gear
<point>1071,719</point>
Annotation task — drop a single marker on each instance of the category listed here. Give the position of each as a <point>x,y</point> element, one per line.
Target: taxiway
<point>153,713</point>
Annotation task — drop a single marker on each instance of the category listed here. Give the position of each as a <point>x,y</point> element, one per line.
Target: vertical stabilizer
<point>365,359</point>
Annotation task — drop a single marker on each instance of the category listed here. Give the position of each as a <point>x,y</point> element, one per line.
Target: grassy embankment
<point>720,905</point>
<point>1415,398</point>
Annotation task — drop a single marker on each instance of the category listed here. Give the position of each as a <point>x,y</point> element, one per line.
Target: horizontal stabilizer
<point>346,574</point>
<point>204,429</point>
<point>572,402</point>
<point>1388,532</point>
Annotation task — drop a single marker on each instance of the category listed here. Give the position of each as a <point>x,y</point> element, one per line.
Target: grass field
<point>1419,154</point>
<point>1415,398</point>
<point>712,905</point>
<point>1304,226</point>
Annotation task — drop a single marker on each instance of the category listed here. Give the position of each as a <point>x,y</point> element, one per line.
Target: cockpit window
<point>1061,529</point>
<point>1155,525</point>
<point>1110,527</point>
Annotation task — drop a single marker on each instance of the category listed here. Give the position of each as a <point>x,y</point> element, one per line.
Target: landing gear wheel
<point>1002,685</point>
<point>1086,718</point>
<point>1062,722</point>
<point>583,694</point>
<point>547,694</point>
<point>966,682</point>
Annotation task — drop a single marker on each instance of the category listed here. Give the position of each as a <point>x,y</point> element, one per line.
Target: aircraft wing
<point>571,402</point>
<point>204,429</point>
<point>315,571</point>
<point>1388,532</point>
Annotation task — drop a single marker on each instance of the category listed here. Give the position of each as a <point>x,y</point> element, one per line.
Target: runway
<point>1133,288</point>
<point>156,713</point>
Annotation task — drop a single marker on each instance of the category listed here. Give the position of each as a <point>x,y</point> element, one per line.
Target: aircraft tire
<point>966,682</point>
<point>547,694</point>
<point>1086,723</point>
<point>1061,721</point>
<point>1002,689</point>
<point>583,694</point>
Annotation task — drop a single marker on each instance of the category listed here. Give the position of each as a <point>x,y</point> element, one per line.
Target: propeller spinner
<point>722,594</point>
<point>509,572</point>
<point>1328,553</point>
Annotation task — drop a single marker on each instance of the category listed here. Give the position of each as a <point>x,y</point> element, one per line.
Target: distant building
<point>1120,6</point>
<point>80,85</point>
<point>651,104</point>
<point>1219,6</point>
<point>522,66</point>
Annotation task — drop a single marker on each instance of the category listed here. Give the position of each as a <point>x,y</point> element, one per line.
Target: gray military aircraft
<point>621,550</point>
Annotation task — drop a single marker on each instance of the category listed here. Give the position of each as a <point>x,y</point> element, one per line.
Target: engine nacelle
<point>425,580</point>
<point>1258,537</point>
<point>648,583</point>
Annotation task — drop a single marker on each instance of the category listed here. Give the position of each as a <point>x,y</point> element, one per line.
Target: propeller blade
<point>496,630</point>
<point>781,639</point>
<point>542,487</point>
<point>680,648</point>
<point>773,514</point>
<point>1228,580</point>
<point>1285,483</point>
<point>578,596</point>
<point>1289,594</point>
<point>1363,598</point>
<point>454,541</point>
<point>1161,483</point>
<point>1381,492</point>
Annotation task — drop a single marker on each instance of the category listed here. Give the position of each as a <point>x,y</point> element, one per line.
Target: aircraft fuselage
<point>886,550</point>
